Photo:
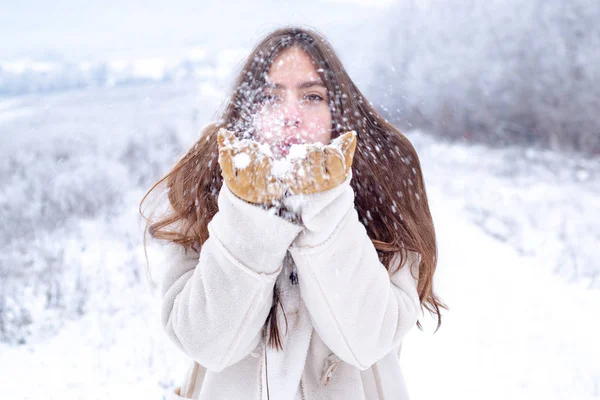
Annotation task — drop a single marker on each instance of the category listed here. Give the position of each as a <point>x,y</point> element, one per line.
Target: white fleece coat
<point>346,317</point>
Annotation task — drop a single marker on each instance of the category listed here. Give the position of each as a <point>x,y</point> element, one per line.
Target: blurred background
<point>98,99</point>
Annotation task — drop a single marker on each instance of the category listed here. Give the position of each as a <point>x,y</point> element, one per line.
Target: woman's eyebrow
<point>307,84</point>
<point>303,85</point>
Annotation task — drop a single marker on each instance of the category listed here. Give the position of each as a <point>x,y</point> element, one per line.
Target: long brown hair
<point>391,200</point>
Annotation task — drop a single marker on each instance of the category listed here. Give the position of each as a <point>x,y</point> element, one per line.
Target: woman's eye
<point>314,98</point>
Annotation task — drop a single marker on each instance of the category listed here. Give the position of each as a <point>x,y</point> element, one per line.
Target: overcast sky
<point>72,28</point>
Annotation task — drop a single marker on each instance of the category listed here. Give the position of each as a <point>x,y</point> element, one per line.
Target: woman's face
<point>295,108</point>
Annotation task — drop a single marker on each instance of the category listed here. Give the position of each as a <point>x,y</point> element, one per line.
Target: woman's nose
<point>292,113</point>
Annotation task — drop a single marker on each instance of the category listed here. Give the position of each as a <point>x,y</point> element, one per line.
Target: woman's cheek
<point>320,130</point>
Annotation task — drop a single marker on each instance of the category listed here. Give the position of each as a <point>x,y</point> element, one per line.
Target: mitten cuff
<point>257,238</point>
<point>321,212</point>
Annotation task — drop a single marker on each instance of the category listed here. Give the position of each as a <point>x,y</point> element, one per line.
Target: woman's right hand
<point>246,170</point>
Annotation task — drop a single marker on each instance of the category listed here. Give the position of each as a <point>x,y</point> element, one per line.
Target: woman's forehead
<point>292,66</point>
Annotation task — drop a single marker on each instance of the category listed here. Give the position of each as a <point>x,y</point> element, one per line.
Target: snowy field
<point>517,235</point>
<point>82,141</point>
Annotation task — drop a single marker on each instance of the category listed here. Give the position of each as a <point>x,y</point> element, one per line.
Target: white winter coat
<point>346,316</point>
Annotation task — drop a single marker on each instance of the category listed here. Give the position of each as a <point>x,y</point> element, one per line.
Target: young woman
<point>301,245</point>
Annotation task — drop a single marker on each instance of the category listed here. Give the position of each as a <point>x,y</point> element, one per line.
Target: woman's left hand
<point>324,167</point>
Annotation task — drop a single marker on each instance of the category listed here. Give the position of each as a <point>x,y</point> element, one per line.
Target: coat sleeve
<point>215,303</point>
<point>360,312</point>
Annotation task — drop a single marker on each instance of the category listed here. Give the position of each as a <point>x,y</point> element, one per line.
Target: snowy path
<point>515,331</point>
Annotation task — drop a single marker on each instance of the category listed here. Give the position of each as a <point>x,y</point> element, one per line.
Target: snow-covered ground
<point>524,302</point>
<point>515,329</point>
